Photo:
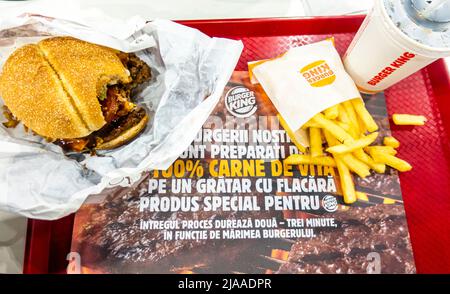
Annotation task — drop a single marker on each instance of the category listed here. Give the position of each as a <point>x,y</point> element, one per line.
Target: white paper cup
<point>381,54</point>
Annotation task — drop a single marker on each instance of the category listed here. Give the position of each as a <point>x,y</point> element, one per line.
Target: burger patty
<point>139,70</point>
<point>107,133</point>
<point>121,124</point>
<point>115,102</point>
<point>119,112</point>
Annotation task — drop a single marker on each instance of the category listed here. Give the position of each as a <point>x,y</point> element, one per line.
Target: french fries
<point>343,115</point>
<point>307,159</point>
<point>364,115</point>
<point>349,130</point>
<point>332,127</point>
<point>331,141</point>
<point>355,165</point>
<point>409,119</point>
<point>364,157</point>
<point>351,113</point>
<point>391,160</point>
<point>347,185</point>
<point>331,112</point>
<point>315,142</point>
<point>391,141</point>
<point>344,119</point>
<point>344,126</point>
<point>352,145</point>
<point>362,126</point>
<point>386,149</point>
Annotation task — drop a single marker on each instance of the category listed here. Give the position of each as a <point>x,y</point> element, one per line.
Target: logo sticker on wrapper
<point>318,74</point>
<point>240,101</point>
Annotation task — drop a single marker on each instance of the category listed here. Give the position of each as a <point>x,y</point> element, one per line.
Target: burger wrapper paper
<point>190,70</point>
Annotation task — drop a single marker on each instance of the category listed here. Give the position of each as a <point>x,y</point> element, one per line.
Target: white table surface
<point>13,228</point>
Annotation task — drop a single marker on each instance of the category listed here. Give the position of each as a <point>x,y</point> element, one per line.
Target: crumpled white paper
<point>190,71</point>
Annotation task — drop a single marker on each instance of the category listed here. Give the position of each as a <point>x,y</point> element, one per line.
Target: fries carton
<point>305,81</point>
<point>311,90</point>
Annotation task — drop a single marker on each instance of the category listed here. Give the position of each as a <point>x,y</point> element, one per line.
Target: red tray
<point>426,189</point>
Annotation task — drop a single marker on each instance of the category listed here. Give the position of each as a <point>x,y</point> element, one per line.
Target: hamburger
<point>74,93</point>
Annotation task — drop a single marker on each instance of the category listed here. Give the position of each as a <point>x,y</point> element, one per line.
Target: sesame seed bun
<point>84,69</point>
<point>34,94</point>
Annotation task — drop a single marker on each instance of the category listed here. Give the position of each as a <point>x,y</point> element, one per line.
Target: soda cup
<point>396,39</point>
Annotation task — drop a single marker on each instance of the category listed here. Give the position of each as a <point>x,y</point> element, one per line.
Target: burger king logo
<point>318,74</point>
<point>240,101</point>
